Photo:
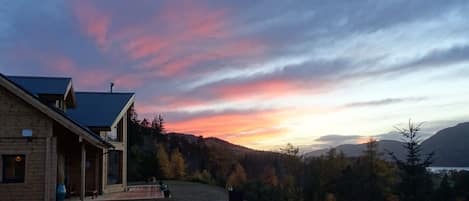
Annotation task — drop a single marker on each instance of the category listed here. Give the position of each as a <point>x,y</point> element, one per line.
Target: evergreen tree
<point>132,115</point>
<point>178,164</point>
<point>161,124</point>
<point>444,192</point>
<point>145,123</point>
<point>415,183</point>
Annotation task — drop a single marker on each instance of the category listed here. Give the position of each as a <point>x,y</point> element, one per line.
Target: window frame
<point>2,169</point>
<point>120,173</point>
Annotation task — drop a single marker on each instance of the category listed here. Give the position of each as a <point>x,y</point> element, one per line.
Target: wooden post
<point>83,174</point>
<point>47,173</point>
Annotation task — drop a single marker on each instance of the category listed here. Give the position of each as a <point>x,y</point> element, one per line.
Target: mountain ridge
<point>448,144</point>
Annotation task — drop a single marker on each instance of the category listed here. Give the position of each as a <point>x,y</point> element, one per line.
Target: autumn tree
<point>237,176</point>
<point>415,183</point>
<point>178,164</point>
<point>378,173</point>
<point>269,176</point>
<point>164,165</point>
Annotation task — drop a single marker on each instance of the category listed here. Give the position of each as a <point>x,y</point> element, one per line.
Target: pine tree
<point>178,164</point>
<point>161,124</point>
<point>444,192</point>
<point>145,123</point>
<point>415,183</point>
<point>163,163</point>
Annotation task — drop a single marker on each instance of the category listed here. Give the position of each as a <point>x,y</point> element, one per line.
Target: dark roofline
<point>58,112</point>
<point>35,77</point>
<point>105,93</point>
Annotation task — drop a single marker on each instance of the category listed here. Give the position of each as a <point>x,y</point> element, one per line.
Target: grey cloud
<point>382,102</point>
<point>336,138</point>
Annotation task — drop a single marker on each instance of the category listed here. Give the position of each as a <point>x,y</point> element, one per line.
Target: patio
<point>140,192</point>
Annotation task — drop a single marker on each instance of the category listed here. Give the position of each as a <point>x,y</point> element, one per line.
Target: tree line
<point>286,175</point>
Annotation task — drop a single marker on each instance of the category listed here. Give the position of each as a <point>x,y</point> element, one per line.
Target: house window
<point>117,133</point>
<point>111,136</point>
<point>13,168</point>
<point>114,173</point>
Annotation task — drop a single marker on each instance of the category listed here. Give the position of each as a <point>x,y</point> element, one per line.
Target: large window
<point>114,171</point>
<point>13,168</point>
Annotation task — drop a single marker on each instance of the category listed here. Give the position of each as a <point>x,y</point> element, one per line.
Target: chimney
<point>112,86</point>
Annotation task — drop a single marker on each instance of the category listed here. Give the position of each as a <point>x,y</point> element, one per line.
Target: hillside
<point>450,146</point>
<point>355,150</point>
<point>210,142</point>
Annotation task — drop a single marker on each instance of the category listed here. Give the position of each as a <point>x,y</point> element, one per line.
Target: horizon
<point>256,74</point>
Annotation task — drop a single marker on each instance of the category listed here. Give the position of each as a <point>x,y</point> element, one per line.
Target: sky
<point>256,73</point>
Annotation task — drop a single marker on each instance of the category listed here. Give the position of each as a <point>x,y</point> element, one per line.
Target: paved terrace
<point>180,191</point>
<point>140,193</point>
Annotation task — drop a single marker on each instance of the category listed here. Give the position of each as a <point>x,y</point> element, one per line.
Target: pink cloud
<point>189,34</point>
<point>93,22</point>
<point>258,89</point>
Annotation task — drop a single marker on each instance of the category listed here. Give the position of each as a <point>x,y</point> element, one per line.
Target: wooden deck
<point>140,193</point>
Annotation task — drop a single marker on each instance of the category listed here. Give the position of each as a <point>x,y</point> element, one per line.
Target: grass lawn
<point>188,191</point>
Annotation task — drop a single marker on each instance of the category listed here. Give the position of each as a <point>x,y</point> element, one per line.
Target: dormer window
<point>57,103</point>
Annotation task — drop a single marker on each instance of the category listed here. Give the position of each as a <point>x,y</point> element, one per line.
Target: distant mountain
<point>355,150</point>
<point>451,147</point>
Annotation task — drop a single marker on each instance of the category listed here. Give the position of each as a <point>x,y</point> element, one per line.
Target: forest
<point>285,174</point>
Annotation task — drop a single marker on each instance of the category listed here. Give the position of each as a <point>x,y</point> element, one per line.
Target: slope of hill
<point>451,146</point>
<point>355,150</point>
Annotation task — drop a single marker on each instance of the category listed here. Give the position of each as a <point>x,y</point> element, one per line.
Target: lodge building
<point>52,135</point>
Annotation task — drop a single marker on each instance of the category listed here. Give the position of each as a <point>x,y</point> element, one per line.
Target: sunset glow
<point>259,74</point>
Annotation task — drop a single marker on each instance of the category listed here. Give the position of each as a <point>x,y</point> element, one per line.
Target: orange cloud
<point>260,88</point>
<point>236,127</point>
<point>93,22</point>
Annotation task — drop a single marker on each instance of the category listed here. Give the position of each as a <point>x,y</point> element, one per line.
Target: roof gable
<point>47,86</point>
<point>53,113</point>
<point>96,109</point>
<point>43,85</point>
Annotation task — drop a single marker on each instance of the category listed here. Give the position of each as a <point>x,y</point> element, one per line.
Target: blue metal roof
<point>33,95</point>
<point>42,85</point>
<point>97,109</point>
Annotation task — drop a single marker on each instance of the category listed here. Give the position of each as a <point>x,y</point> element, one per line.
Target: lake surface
<point>446,169</point>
